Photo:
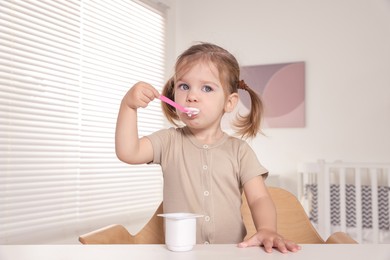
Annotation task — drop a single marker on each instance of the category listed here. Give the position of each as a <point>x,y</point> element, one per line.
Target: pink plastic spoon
<point>190,111</point>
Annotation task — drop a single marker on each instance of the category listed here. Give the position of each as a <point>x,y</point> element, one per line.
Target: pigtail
<point>169,111</point>
<point>248,126</point>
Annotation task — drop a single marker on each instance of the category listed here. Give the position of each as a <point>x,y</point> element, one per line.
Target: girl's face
<point>200,87</point>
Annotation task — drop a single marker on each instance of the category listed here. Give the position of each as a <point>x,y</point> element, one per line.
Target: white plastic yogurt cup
<point>180,230</point>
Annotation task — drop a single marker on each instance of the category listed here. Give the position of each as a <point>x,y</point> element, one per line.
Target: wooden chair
<point>292,223</point>
<point>151,233</point>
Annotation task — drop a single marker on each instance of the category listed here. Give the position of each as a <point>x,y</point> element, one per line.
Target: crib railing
<point>347,195</point>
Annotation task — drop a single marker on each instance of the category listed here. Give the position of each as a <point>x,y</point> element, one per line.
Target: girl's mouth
<point>191,111</point>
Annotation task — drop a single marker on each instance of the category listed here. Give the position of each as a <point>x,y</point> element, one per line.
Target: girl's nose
<point>192,97</point>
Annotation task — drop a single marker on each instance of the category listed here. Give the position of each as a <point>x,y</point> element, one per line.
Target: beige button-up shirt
<point>206,179</point>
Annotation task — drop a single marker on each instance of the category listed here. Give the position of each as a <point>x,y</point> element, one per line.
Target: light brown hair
<point>229,73</point>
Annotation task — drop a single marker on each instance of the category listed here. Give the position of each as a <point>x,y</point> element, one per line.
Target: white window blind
<point>64,68</point>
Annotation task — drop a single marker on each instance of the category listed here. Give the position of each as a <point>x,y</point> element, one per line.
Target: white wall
<point>346,47</point>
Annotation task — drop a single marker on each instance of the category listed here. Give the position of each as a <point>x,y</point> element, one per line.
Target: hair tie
<point>242,85</point>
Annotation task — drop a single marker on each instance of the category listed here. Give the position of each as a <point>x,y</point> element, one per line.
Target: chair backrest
<point>292,220</point>
<point>151,233</point>
<point>113,234</point>
<point>292,223</point>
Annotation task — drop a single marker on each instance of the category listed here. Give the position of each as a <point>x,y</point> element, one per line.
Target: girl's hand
<point>140,95</point>
<point>270,239</point>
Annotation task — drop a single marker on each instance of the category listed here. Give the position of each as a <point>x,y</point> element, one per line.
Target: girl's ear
<point>231,102</point>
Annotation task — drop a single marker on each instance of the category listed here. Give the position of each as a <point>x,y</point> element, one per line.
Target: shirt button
<point>205,146</point>
<point>207,218</point>
<point>204,167</point>
<point>206,193</point>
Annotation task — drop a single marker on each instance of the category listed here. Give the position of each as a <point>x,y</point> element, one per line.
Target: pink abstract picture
<point>282,89</point>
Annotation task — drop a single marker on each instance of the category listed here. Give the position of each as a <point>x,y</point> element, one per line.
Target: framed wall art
<point>282,89</point>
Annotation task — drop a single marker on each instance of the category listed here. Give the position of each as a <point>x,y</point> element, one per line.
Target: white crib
<point>349,197</point>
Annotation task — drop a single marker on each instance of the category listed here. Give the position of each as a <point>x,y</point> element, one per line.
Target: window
<point>64,68</point>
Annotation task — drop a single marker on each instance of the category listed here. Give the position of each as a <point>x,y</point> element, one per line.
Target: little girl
<point>205,170</point>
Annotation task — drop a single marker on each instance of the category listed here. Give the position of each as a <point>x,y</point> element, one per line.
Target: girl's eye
<point>184,87</point>
<point>207,89</point>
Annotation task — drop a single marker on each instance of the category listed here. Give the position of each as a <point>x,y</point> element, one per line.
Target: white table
<point>206,252</point>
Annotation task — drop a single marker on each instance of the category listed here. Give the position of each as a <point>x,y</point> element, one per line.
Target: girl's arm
<point>264,217</point>
<point>129,147</point>
<point>261,205</point>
